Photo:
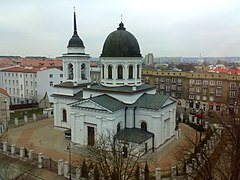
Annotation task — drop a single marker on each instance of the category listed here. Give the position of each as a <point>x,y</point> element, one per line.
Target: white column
<point>13,149</point>
<point>158,174</point>
<point>16,121</point>
<point>25,119</point>
<point>66,169</point>
<point>40,160</point>
<point>30,155</point>
<point>5,146</point>
<point>22,152</point>
<point>60,167</point>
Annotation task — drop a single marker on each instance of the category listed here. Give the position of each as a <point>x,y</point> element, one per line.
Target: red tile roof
<point>226,70</point>
<point>24,69</point>
<point>4,92</point>
<point>32,62</point>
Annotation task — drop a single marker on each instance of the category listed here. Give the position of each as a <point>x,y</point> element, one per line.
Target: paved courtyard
<point>43,137</point>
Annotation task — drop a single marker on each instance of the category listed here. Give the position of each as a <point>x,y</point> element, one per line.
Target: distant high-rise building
<point>149,59</point>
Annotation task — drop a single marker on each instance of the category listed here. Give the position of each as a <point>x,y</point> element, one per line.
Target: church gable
<point>89,104</point>
<point>168,102</point>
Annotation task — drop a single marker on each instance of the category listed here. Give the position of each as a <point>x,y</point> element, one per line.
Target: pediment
<point>88,104</point>
<point>168,102</point>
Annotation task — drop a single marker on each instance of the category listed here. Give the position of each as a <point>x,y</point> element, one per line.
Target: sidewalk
<point>42,137</point>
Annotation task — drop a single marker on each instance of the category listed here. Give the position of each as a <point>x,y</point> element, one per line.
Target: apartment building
<point>29,84</point>
<point>204,90</point>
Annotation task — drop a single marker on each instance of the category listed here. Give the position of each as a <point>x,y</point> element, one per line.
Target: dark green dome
<point>75,41</point>
<point>121,43</point>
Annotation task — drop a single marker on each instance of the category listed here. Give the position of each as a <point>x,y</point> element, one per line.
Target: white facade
<point>120,103</point>
<point>46,79</point>
<point>21,84</point>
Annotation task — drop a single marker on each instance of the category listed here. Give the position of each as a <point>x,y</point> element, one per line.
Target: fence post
<point>40,160</point>
<point>158,174</point>
<point>22,152</point>
<point>25,119</point>
<point>13,149</point>
<point>16,121</point>
<point>66,169</point>
<point>34,117</point>
<point>30,154</point>
<point>78,172</point>
<point>60,167</point>
<point>5,147</point>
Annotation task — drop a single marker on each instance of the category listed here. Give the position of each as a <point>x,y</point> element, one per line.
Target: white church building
<point>119,103</point>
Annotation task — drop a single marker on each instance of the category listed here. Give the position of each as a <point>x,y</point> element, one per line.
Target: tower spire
<point>75,23</point>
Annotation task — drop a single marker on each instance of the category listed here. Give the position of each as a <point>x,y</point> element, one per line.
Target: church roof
<point>120,89</point>
<point>134,135</point>
<point>121,43</point>
<point>75,40</point>
<point>70,84</point>
<point>76,96</point>
<point>104,100</point>
<point>151,101</point>
<point>108,102</point>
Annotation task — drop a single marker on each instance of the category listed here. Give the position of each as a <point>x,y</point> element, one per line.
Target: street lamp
<point>6,123</point>
<point>69,157</point>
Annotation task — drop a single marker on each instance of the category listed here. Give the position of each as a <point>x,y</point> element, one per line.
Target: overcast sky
<point>162,27</point>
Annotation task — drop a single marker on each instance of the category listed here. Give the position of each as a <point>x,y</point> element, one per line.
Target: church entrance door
<point>90,136</point>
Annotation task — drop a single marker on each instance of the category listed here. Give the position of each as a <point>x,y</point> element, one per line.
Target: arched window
<point>64,114</point>
<point>144,126</point>
<point>138,69</point>
<point>109,72</point>
<point>130,72</point>
<point>83,71</point>
<point>120,72</point>
<point>103,71</point>
<point>118,127</point>
<point>70,71</point>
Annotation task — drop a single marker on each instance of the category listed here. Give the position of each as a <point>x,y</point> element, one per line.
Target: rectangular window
<point>50,75</point>
<point>212,90</point>
<point>174,87</point>
<point>167,87</point>
<point>61,75</point>
<point>191,81</point>
<point>5,81</point>
<point>212,83</point>
<point>232,86</point>
<point>174,81</point>
<point>205,82</point>
<point>9,82</point>
<point>26,83</point>
<point>219,83</point>
<point>17,82</point>
<point>204,91</point>
<point>162,79</point>
<point>21,87</point>
<point>35,84</point>
<point>191,96</point>
<point>232,94</point>
<point>179,81</point>
<point>31,83</point>
<point>13,82</point>
<point>218,92</point>
<point>198,82</point>
<point>161,86</point>
<point>51,83</point>
<point>198,89</point>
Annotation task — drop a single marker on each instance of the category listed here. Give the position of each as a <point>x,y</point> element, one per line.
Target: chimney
<point>134,88</point>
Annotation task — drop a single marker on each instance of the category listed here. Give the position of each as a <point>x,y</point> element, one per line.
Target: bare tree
<point>14,169</point>
<point>115,158</point>
<point>217,155</point>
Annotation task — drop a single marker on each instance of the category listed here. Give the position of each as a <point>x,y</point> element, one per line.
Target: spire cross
<point>121,17</point>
